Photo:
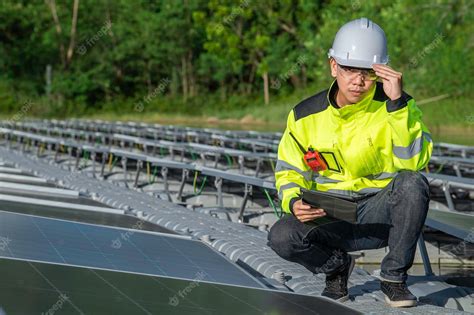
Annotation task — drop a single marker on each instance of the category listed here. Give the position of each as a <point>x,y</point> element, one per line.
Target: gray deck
<point>240,243</point>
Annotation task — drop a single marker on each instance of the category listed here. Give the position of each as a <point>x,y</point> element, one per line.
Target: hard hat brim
<point>364,64</point>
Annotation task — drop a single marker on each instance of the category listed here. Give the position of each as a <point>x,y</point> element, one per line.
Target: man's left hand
<point>391,79</point>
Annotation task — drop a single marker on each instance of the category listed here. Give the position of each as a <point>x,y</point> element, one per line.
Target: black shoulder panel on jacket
<point>312,105</point>
<point>398,103</point>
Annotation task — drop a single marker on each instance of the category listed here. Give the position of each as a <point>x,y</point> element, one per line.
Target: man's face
<point>353,85</point>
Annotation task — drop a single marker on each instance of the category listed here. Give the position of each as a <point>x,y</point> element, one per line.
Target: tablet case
<point>339,207</point>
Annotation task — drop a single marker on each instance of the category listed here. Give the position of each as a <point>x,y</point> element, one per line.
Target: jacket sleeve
<point>291,173</point>
<point>412,144</point>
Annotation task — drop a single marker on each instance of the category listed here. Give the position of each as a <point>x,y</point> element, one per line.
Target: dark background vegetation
<point>249,58</point>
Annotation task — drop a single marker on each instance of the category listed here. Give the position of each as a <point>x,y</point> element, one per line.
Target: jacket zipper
<point>369,139</point>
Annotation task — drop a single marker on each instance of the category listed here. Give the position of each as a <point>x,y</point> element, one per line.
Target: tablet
<point>339,207</point>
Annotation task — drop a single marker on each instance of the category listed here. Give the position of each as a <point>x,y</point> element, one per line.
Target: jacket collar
<point>349,110</point>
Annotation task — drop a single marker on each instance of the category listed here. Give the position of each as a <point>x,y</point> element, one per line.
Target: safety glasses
<point>352,73</point>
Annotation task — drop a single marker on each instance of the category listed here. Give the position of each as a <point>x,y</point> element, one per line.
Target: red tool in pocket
<point>312,158</point>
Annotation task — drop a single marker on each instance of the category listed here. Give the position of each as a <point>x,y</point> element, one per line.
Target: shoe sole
<point>405,303</point>
<point>343,299</point>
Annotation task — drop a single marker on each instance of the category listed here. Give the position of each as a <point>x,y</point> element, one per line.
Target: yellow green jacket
<point>364,144</point>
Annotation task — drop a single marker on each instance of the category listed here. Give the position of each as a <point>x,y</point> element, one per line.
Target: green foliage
<point>215,54</point>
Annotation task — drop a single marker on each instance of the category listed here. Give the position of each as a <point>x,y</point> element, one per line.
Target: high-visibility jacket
<point>364,144</point>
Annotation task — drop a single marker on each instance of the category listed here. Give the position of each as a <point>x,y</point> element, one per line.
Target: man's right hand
<point>304,212</point>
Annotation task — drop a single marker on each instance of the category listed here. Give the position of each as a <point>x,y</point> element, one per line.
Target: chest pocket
<point>331,155</point>
<point>362,157</point>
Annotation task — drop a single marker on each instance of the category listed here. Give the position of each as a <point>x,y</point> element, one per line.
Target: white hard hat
<point>360,43</point>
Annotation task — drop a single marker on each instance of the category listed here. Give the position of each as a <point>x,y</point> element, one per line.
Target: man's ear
<point>333,66</point>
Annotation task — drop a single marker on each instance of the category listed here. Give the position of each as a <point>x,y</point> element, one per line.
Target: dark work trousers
<point>393,216</point>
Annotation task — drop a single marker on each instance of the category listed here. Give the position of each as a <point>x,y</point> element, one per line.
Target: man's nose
<point>359,79</point>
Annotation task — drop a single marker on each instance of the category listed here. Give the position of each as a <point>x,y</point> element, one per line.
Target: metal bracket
<point>447,195</point>
<point>247,192</point>
<point>78,159</point>
<point>424,255</point>
<point>124,167</point>
<point>164,173</point>
<point>241,163</point>
<point>457,170</point>
<point>104,161</point>
<point>137,175</point>
<point>93,155</point>
<point>218,184</point>
<point>181,186</point>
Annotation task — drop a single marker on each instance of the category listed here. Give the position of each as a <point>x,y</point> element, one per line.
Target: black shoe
<point>397,294</point>
<point>336,283</point>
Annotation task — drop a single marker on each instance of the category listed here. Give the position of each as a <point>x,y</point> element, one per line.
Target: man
<point>372,141</point>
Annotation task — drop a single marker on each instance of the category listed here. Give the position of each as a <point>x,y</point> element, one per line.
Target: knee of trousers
<point>281,239</point>
<point>410,182</point>
<point>411,178</point>
<point>411,186</point>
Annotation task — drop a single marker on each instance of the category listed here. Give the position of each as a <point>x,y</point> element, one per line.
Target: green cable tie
<point>439,168</point>
<point>114,161</point>
<point>272,204</point>
<point>229,161</point>
<point>202,184</point>
<point>153,176</point>
<point>85,157</point>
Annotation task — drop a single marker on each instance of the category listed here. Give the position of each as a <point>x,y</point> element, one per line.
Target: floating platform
<point>151,216</point>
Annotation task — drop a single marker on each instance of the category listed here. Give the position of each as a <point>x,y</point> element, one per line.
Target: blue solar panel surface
<point>48,240</point>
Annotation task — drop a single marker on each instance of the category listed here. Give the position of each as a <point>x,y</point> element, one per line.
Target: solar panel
<point>35,288</point>
<point>56,241</point>
<point>457,224</point>
<point>92,217</point>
